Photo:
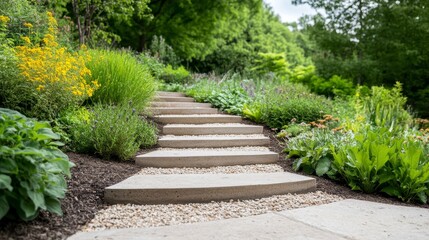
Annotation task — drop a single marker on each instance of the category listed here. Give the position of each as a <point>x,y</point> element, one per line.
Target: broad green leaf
<point>5,182</point>
<point>47,133</point>
<point>422,197</point>
<point>392,191</point>
<point>28,209</point>
<point>53,205</point>
<point>4,206</point>
<point>323,166</point>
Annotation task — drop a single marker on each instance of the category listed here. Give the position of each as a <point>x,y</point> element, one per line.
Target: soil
<point>84,198</point>
<point>91,175</point>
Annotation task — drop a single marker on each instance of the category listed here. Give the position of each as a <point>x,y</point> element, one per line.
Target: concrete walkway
<point>348,219</point>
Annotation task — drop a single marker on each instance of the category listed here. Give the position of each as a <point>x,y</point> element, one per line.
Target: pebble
<point>257,168</point>
<point>143,216</point>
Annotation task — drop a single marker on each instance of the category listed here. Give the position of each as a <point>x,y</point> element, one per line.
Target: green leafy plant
<point>122,79</point>
<point>178,75</point>
<point>113,132</point>
<point>32,168</point>
<point>312,150</point>
<point>253,111</point>
<point>229,100</point>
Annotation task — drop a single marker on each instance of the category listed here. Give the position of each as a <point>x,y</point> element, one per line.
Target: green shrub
<point>253,111</point>
<point>172,87</point>
<point>272,62</point>
<point>280,109</point>
<point>384,108</point>
<point>113,132</point>
<point>312,150</point>
<point>230,100</point>
<point>122,79</point>
<point>32,168</point>
<point>179,75</point>
<point>155,67</point>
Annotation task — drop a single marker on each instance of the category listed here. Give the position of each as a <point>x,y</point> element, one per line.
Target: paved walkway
<point>348,219</point>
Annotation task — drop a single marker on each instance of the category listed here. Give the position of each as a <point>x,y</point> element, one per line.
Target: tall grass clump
<point>122,79</point>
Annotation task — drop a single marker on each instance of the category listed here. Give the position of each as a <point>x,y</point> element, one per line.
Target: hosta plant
<point>32,168</point>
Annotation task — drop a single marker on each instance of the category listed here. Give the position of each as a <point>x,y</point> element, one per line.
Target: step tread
<point>198,181</point>
<point>212,125</point>
<point>212,137</point>
<point>198,116</point>
<point>203,153</point>
<point>174,99</point>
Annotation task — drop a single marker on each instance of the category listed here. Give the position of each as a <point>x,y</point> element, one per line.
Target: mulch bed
<point>91,175</point>
<point>84,198</point>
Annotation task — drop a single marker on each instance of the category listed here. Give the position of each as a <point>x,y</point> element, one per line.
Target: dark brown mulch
<point>84,198</point>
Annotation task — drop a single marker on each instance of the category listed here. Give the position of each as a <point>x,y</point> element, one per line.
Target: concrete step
<point>205,158</point>
<point>188,188</point>
<point>206,129</point>
<point>213,141</point>
<point>182,110</point>
<point>174,99</point>
<point>170,94</point>
<point>198,118</point>
<point>181,104</point>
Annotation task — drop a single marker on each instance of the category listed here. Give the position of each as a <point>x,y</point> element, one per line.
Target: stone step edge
<point>205,159</point>
<point>188,188</point>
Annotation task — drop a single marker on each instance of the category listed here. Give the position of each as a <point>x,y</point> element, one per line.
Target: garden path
<point>197,136</point>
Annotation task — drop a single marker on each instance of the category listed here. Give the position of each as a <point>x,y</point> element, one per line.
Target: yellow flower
<point>26,39</point>
<point>28,25</point>
<point>40,88</point>
<point>4,19</point>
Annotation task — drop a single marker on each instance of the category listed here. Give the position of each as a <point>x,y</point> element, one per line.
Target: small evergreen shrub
<point>113,132</point>
<point>32,168</point>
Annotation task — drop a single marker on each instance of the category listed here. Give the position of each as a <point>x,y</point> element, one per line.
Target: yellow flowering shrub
<point>58,75</point>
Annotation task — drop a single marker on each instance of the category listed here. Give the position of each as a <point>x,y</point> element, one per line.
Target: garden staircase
<point>196,135</point>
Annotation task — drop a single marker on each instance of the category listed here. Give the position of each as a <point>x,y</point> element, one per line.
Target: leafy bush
<point>384,108</point>
<point>253,111</point>
<point>229,100</point>
<point>172,87</point>
<point>122,79</point>
<point>32,168</point>
<point>272,62</point>
<point>280,109</point>
<point>313,150</point>
<point>155,67</point>
<point>368,164</point>
<point>178,75</point>
<point>112,132</point>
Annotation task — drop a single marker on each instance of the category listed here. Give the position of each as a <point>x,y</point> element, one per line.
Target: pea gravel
<point>257,168</point>
<point>142,216</point>
<point>248,148</point>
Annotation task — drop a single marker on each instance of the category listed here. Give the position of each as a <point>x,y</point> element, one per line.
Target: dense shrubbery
<point>32,168</point>
<point>378,150</point>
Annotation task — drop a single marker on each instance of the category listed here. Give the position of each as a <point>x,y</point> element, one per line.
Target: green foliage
<point>293,129</point>
<point>32,168</point>
<point>178,75</point>
<point>163,52</point>
<point>122,79</point>
<point>112,132</point>
<point>384,107</point>
<point>253,111</point>
<point>272,62</point>
<point>230,100</point>
<point>155,67</point>
<point>172,87</point>
<point>334,86</point>
<point>313,150</point>
<point>283,105</point>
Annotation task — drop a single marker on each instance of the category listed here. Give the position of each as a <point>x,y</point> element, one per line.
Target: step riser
<point>174,99</point>
<point>173,111</point>
<point>175,196</point>
<point>181,104</point>
<point>197,120</point>
<point>211,130</point>
<point>205,161</point>
<point>213,143</point>
<point>169,94</point>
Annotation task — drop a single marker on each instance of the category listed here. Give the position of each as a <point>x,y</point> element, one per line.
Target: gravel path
<point>141,216</point>
<point>212,136</point>
<point>233,149</point>
<point>257,168</point>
